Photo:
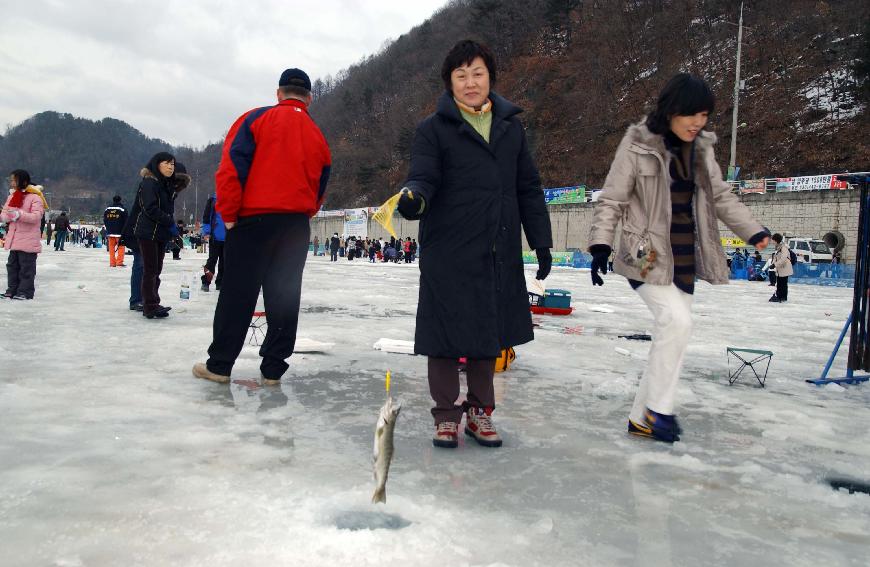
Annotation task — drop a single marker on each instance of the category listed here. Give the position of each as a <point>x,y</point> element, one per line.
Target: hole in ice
<point>355,520</point>
<point>851,485</point>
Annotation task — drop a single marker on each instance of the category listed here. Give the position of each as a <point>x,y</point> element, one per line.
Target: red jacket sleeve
<point>228,184</point>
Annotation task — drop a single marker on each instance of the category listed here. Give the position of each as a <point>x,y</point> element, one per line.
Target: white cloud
<point>180,70</point>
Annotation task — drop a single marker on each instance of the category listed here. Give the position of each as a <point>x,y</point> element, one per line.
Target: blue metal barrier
<point>581,260</point>
<point>837,275</point>
<point>821,273</point>
<point>824,273</point>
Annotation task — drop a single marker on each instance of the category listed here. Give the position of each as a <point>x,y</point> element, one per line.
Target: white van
<point>810,250</point>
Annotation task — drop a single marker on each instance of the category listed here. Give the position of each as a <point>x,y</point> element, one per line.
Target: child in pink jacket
<point>23,211</point>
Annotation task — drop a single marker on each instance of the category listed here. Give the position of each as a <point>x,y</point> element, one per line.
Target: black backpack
<point>792,256</point>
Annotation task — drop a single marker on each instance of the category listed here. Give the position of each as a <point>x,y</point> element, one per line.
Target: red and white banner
<point>810,183</point>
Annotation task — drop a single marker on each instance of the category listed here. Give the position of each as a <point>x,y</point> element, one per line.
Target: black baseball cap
<point>295,78</point>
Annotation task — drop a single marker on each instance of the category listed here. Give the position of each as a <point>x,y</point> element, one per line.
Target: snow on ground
<point>113,454</point>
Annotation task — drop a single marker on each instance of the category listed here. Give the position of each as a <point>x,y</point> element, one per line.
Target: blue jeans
<point>136,280</point>
<point>59,239</point>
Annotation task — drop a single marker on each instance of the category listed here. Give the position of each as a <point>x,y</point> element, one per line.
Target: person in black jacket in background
<point>114,219</point>
<point>153,226</point>
<point>474,187</point>
<point>177,242</point>
<point>334,245</point>
<point>61,228</point>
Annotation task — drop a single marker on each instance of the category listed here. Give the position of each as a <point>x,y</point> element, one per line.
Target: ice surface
<point>113,454</point>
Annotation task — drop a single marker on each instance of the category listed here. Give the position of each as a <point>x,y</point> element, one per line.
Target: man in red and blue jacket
<point>270,182</point>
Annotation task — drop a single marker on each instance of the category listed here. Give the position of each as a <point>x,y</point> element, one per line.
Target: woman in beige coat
<point>782,261</point>
<point>666,192</point>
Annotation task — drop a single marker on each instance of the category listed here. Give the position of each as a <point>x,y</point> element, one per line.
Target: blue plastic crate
<point>560,298</point>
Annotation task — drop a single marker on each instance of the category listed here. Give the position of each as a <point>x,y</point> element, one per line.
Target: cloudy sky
<point>180,70</point>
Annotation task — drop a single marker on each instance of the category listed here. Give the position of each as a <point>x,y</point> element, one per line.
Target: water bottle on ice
<point>185,287</point>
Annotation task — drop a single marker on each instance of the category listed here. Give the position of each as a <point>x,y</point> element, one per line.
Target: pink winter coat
<point>24,234</point>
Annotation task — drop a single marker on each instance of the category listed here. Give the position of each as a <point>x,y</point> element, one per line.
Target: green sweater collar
<point>480,120</point>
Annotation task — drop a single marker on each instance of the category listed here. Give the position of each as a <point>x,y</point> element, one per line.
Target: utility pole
<point>195,192</point>
<point>732,164</point>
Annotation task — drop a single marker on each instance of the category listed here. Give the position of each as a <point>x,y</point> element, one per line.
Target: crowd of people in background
<point>374,249</point>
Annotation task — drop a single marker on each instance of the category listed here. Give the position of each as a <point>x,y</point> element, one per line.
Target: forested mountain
<point>82,163</point>
<point>582,70</point>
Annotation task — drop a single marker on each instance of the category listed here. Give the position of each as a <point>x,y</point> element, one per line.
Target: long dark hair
<point>684,95</point>
<point>22,179</point>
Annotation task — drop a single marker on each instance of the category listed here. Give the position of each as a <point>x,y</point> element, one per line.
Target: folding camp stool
<point>258,326</point>
<point>748,357</point>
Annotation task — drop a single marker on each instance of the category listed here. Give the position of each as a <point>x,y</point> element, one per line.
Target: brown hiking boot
<point>445,435</point>
<point>479,425</point>
<point>200,370</point>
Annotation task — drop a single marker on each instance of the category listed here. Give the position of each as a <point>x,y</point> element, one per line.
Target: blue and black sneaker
<point>662,427</point>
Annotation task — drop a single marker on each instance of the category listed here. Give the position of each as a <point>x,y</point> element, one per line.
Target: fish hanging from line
<point>383,447</point>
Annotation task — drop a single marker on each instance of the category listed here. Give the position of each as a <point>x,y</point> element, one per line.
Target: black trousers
<point>152,265</point>
<point>333,255</point>
<point>444,387</point>
<point>782,288</point>
<point>21,273</point>
<point>265,252</point>
<point>215,262</point>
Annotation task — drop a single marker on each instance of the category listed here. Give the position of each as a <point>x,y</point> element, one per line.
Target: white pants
<point>672,313</point>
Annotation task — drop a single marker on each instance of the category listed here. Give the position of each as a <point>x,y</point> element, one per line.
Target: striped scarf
<point>682,220</point>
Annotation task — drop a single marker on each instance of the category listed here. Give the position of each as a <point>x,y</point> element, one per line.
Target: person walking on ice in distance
<point>271,180</point>
<point>215,233</point>
<point>114,219</point>
<point>23,211</point>
<point>61,228</point>
<point>334,245</point>
<point>666,189</point>
<point>474,187</point>
<point>781,259</point>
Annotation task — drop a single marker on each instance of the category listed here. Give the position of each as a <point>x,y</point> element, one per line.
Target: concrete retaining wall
<point>807,213</point>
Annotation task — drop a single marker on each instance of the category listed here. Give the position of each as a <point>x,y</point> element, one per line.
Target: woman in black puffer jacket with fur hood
<point>154,225</point>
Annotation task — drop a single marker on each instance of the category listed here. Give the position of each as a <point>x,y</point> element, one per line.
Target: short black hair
<point>777,238</point>
<point>684,95</point>
<point>22,178</point>
<point>293,90</point>
<point>463,53</point>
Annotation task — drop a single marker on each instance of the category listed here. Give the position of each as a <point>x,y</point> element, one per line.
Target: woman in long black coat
<point>474,187</point>
<point>154,225</point>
